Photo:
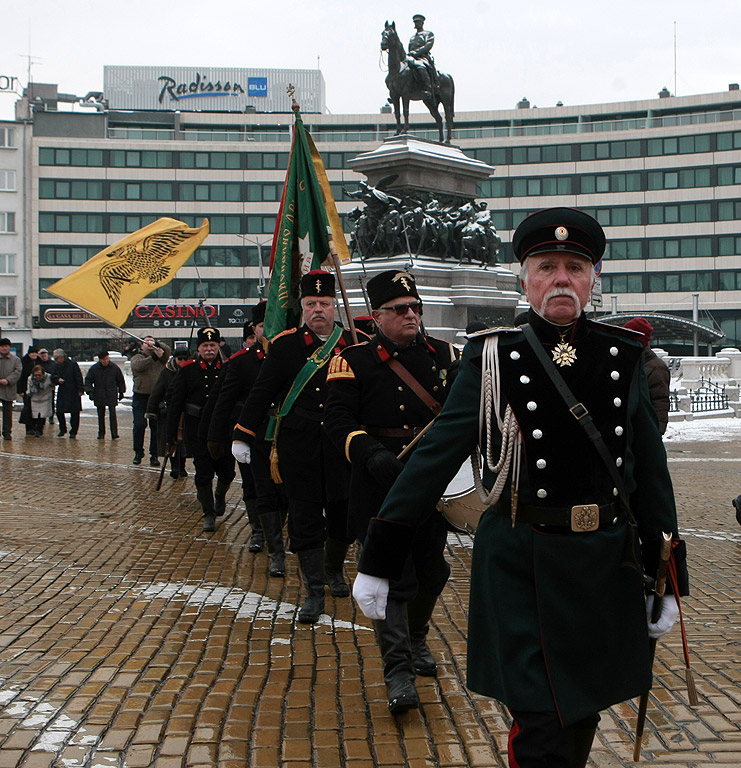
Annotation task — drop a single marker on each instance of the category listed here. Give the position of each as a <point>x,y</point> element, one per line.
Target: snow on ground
<point>703,430</point>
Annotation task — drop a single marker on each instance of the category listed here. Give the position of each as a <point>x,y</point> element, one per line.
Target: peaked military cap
<point>317,283</point>
<point>258,312</point>
<point>390,284</point>
<point>559,230</point>
<point>208,334</point>
<point>418,16</point>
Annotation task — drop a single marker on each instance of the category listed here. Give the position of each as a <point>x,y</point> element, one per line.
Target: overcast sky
<point>574,51</point>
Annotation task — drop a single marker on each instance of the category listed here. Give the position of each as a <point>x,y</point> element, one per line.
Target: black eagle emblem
<point>139,261</point>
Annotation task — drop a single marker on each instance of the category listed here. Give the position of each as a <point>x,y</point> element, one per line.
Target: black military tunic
<point>314,472</point>
<point>557,619</point>
<point>190,390</point>
<point>234,388</point>
<point>368,405</point>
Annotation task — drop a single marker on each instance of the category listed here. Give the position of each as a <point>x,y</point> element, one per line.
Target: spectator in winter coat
<point>157,411</point>
<point>47,363</point>
<point>40,393</point>
<point>67,376</point>
<point>28,361</point>
<point>656,370</point>
<point>105,386</point>
<point>10,371</point>
<point>146,366</point>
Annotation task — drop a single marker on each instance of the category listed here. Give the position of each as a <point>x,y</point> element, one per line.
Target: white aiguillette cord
<point>489,407</point>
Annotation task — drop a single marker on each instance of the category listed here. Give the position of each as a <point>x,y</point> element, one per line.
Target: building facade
<point>15,261</point>
<point>663,176</point>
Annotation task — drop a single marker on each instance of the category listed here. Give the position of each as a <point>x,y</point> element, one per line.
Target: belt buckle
<point>585,518</point>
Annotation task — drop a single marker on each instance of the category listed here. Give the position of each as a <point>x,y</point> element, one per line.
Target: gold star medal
<point>564,354</point>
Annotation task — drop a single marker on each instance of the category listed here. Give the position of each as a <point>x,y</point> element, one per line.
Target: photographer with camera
<point>146,366</point>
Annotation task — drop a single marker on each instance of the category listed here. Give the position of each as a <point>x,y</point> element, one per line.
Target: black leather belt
<point>581,518</point>
<point>307,414</point>
<point>393,431</point>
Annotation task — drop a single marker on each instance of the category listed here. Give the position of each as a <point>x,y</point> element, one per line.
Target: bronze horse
<point>403,85</point>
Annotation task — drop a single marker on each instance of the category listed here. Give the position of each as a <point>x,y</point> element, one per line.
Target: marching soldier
<point>381,394</point>
<point>314,473</point>
<point>259,493</point>
<point>190,389</point>
<point>578,478</point>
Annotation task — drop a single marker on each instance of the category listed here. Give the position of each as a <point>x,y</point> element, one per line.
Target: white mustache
<point>560,292</point>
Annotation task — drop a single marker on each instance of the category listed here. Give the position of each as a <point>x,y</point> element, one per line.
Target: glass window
<point>729,246</point>
<point>7,306</point>
<point>671,180</point>
<point>7,263</point>
<point>519,187</point>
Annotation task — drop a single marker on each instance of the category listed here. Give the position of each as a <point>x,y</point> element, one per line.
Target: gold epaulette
<point>283,333</point>
<point>339,369</point>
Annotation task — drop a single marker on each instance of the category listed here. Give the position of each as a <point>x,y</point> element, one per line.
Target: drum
<point>461,504</point>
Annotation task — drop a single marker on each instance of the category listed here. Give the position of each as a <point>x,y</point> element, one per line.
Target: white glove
<point>241,452</point>
<point>371,594</point>
<point>669,614</point>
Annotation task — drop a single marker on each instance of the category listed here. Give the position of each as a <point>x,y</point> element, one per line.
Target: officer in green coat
<point>557,616</point>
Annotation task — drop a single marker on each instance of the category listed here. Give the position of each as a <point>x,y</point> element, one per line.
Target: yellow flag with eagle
<point>115,280</point>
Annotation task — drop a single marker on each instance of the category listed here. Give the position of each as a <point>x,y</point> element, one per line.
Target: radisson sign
<point>207,89</point>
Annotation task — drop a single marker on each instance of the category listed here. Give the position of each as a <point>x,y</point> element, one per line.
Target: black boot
<point>419,611</point>
<point>220,497</point>
<point>334,560</point>
<point>206,498</point>
<point>583,733</point>
<point>272,528</point>
<point>257,539</point>
<point>392,635</point>
<point>312,570</point>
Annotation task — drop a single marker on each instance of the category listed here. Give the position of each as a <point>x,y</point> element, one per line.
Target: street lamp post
<point>261,273</point>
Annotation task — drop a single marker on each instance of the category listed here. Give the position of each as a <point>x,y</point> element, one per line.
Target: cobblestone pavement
<point>130,638</point>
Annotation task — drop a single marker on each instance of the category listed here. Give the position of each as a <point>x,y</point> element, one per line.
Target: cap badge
<point>318,286</point>
<point>403,278</point>
<point>561,233</point>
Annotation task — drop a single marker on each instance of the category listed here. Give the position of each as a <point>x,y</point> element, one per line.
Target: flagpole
<point>343,291</point>
<point>332,249</point>
<point>113,325</point>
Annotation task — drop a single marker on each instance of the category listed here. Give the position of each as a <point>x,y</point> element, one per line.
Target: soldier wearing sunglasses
<point>381,394</point>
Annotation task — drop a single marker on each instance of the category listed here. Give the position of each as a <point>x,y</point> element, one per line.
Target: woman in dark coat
<point>67,376</point>
<point>105,386</point>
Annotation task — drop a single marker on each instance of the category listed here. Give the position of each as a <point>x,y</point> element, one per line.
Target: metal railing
<point>708,397</point>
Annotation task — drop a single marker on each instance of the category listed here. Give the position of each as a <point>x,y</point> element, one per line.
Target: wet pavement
<point>130,638</point>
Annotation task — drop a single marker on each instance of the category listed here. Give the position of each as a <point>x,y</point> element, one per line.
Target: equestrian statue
<point>413,77</point>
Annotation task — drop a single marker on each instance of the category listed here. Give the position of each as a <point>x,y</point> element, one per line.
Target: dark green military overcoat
<point>557,619</point>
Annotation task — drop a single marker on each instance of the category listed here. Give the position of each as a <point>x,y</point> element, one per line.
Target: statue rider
<point>419,58</point>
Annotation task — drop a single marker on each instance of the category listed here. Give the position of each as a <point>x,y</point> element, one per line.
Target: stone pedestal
<point>423,166</point>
